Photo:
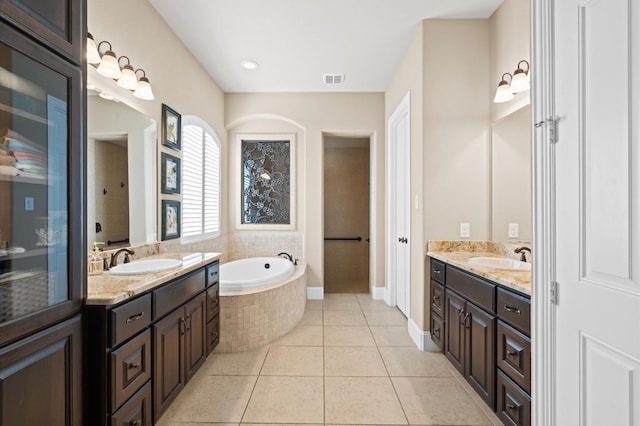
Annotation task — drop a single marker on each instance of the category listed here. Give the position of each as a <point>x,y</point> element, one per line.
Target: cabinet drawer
<point>213,274</point>
<point>514,355</point>
<point>213,334</point>
<point>176,293</point>
<point>514,405</point>
<point>437,271</point>
<point>515,310</point>
<point>437,330</point>
<point>137,411</point>
<point>437,298</point>
<point>213,302</point>
<point>479,291</point>
<point>130,368</point>
<point>130,318</point>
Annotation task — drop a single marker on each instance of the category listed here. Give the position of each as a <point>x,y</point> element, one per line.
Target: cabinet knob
<point>137,422</point>
<point>509,353</point>
<point>436,299</point>
<point>135,366</point>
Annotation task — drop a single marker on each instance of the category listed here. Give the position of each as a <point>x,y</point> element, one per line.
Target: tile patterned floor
<point>350,361</point>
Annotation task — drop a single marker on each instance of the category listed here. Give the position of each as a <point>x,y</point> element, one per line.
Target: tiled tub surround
<point>458,253</point>
<point>107,289</point>
<point>256,317</point>
<point>244,244</point>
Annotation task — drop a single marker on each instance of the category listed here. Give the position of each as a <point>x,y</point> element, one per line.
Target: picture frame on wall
<point>171,128</point>
<point>170,219</point>
<point>170,174</point>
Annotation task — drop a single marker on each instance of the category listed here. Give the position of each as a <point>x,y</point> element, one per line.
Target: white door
<point>400,204</point>
<point>597,171</point>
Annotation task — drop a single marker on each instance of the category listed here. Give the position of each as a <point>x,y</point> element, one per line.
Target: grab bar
<point>343,238</point>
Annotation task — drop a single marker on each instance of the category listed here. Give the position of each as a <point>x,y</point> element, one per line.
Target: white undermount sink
<point>145,266</point>
<point>500,263</point>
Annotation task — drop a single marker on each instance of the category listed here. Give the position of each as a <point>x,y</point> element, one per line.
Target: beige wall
<point>177,78</point>
<point>408,77</point>
<point>509,44</point>
<point>311,116</point>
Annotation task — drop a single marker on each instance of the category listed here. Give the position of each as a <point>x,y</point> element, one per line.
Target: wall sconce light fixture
<point>518,82</point>
<point>108,66</point>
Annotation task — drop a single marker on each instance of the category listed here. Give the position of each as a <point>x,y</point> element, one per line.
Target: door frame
<point>403,108</point>
<point>543,333</point>
<point>373,197</point>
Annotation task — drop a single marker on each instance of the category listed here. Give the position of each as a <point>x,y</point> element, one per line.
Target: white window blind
<point>200,183</point>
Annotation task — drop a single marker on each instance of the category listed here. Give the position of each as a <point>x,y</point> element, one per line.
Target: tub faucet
<point>287,255</point>
<point>114,256</point>
<point>522,250</point>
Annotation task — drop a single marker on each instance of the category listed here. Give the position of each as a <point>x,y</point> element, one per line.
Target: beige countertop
<point>516,280</point>
<point>107,289</point>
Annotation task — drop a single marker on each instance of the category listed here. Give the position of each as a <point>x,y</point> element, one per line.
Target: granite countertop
<point>517,280</point>
<point>107,289</point>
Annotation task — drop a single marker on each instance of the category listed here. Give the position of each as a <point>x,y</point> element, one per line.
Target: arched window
<point>200,180</point>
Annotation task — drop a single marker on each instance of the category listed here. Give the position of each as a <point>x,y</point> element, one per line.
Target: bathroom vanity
<point>152,332</point>
<point>481,321</point>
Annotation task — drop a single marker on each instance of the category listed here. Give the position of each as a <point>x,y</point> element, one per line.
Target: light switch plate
<point>465,230</point>
<point>514,230</point>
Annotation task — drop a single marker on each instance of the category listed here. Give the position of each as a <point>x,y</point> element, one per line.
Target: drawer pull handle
<point>437,271</point>
<point>512,309</point>
<point>135,317</point>
<point>436,299</point>
<point>135,366</point>
<point>436,333</point>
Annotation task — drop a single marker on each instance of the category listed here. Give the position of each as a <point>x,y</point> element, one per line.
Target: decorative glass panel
<point>266,182</point>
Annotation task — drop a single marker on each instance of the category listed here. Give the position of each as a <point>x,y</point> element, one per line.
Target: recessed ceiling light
<point>249,65</point>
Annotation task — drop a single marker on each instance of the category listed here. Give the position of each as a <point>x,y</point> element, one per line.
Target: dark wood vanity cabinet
<point>483,329</point>
<point>152,345</point>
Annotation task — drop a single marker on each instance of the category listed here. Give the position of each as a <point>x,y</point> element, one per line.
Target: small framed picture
<point>171,128</point>
<point>170,174</point>
<point>170,219</point>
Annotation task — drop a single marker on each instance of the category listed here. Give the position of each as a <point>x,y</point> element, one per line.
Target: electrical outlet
<point>29,204</point>
<point>465,230</point>
<point>514,230</point>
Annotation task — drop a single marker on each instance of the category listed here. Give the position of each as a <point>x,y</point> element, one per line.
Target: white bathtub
<point>254,273</point>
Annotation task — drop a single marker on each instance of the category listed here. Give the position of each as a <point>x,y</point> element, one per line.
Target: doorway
<point>346,214</point>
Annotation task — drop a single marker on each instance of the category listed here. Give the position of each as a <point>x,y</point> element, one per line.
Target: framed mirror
<point>266,181</point>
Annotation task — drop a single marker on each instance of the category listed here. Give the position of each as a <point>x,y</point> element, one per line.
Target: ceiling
<point>295,42</point>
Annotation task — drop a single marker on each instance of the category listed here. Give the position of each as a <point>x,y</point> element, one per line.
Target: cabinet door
<point>168,360</point>
<point>40,378</point>
<point>454,338</point>
<point>56,23</point>
<point>480,356</point>
<point>195,336</point>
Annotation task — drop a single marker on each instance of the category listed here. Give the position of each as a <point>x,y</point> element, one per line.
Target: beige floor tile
<point>286,400</point>
<point>410,361</point>
<point>347,335</point>
<point>238,364</point>
<point>344,318</point>
<point>495,421</point>
<point>161,423</point>
<point>353,361</point>
<point>368,304</point>
<point>391,335</point>
<point>437,401</point>
<point>312,317</point>
<point>391,317</point>
<point>314,305</point>
<point>302,335</point>
<point>294,361</point>
<point>341,304</point>
<point>197,404</point>
<point>362,400</point>
<point>341,296</point>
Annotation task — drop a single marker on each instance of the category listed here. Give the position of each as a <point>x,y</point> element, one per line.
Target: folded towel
<point>7,160</point>
<point>8,171</point>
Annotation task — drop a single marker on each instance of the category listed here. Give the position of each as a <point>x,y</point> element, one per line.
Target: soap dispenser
<point>95,263</point>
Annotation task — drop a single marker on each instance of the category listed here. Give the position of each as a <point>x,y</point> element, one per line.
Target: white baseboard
<point>315,293</point>
<point>421,338</point>
<point>377,293</point>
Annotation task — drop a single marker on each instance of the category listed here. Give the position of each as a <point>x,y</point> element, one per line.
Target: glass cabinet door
<point>40,152</point>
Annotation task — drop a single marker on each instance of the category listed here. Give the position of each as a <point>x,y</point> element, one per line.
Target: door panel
<point>168,360</point>
<point>597,204</point>
<point>480,365</point>
<point>196,343</point>
<point>454,340</point>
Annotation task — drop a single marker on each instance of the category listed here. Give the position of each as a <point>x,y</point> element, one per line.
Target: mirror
<point>511,177</point>
<point>121,174</point>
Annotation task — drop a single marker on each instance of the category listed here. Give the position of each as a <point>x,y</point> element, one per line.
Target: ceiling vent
<point>333,78</point>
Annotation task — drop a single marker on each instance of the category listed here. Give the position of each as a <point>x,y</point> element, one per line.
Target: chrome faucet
<point>287,255</point>
<point>522,250</point>
<point>127,259</point>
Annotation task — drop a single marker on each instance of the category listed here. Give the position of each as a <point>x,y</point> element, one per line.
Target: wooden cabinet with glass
<point>41,224</point>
